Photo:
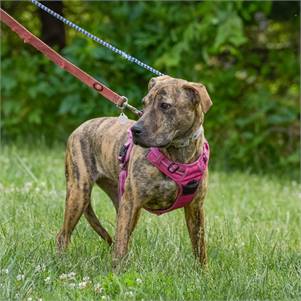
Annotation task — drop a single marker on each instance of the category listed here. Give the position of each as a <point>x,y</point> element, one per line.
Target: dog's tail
<point>96,225</point>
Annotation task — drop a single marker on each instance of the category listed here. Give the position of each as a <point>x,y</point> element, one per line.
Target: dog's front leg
<point>127,217</point>
<point>194,214</point>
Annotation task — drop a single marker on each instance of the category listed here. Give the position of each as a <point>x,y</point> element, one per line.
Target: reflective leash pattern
<point>96,39</point>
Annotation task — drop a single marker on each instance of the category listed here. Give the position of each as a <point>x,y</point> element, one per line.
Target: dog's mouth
<point>137,141</point>
<point>140,143</point>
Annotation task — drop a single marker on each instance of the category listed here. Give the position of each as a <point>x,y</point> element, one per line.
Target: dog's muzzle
<point>138,133</point>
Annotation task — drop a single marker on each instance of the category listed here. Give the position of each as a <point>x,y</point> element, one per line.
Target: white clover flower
<point>47,280</point>
<point>129,294</point>
<point>27,186</point>
<point>82,285</point>
<point>63,276</point>
<point>20,277</point>
<point>86,278</point>
<point>139,281</point>
<point>71,275</point>
<point>72,285</point>
<point>40,268</point>
<point>4,271</point>
<point>98,288</point>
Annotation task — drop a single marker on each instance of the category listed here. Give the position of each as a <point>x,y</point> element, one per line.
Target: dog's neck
<point>188,148</point>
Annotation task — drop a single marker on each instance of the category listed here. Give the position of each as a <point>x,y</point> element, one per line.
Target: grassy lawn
<point>253,235</point>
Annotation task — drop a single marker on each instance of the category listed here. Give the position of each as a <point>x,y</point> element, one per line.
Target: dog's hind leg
<point>79,186</point>
<point>77,201</point>
<point>95,224</point>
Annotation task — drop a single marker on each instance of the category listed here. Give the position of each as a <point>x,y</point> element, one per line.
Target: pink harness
<point>186,176</point>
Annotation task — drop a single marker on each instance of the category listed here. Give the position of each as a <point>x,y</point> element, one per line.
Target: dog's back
<point>97,143</point>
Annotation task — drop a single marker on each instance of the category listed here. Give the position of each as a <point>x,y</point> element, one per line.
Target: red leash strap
<point>29,38</point>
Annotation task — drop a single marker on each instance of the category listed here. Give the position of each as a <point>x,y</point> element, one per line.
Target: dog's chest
<point>155,190</point>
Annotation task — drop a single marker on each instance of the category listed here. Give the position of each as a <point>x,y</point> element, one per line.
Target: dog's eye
<point>165,106</point>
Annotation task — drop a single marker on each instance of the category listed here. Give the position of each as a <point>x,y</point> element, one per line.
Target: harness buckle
<point>173,167</point>
<point>190,187</point>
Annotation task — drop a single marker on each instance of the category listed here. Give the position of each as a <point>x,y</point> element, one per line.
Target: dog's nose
<point>137,130</point>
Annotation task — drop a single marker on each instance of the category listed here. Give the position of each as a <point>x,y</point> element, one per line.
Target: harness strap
<point>186,176</point>
<point>123,158</point>
<point>87,79</point>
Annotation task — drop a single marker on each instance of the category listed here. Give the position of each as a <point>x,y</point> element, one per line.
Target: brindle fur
<point>91,157</point>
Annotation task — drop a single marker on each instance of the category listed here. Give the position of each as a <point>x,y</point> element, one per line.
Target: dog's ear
<point>199,94</point>
<point>155,80</point>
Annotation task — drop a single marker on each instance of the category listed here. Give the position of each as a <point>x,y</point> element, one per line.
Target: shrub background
<point>246,53</point>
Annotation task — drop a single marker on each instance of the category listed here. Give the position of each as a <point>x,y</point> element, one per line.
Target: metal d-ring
<point>126,105</point>
<point>123,105</point>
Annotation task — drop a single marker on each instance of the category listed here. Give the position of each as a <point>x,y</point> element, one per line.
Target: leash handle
<point>63,63</point>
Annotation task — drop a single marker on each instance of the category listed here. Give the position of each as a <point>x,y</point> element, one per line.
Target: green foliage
<point>242,51</point>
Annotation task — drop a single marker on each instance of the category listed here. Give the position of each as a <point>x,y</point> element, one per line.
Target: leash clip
<point>123,105</point>
<point>123,119</point>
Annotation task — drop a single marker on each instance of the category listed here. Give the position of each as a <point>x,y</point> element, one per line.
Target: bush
<point>246,53</point>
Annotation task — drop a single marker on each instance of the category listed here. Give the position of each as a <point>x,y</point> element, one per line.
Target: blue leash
<point>96,39</point>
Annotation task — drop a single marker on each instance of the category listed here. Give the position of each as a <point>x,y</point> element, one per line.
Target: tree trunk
<point>53,30</point>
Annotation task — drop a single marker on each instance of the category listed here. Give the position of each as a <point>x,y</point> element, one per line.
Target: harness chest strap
<point>123,158</point>
<point>186,176</point>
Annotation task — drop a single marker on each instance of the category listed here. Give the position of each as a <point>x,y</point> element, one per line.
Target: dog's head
<point>171,108</point>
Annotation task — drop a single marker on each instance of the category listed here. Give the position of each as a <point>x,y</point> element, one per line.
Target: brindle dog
<point>173,110</point>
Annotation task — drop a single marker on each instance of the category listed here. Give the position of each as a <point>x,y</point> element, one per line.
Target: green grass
<point>253,236</point>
